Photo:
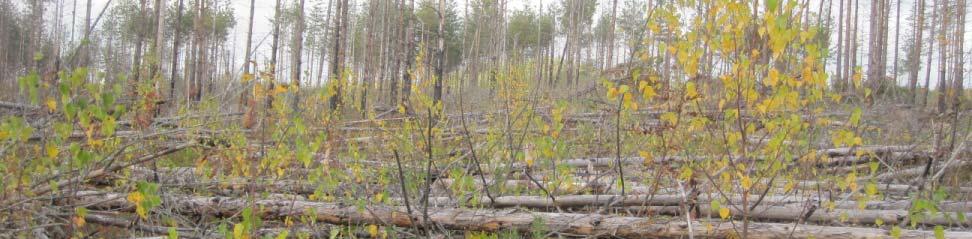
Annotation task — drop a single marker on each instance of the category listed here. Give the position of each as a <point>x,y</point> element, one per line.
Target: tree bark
<point>337,57</point>
<point>297,48</point>
<point>247,59</point>
<point>931,50</point>
<point>915,52</point>
<point>440,55</point>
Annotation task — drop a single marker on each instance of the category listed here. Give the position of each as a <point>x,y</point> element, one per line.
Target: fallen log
<point>185,177</point>
<point>876,149</point>
<point>117,221</point>
<point>492,220</point>
<point>16,106</point>
<point>833,217</point>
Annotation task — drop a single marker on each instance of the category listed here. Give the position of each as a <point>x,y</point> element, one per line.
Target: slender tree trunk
<point>409,53</point>
<point>897,38</point>
<point>247,59</point>
<point>959,75</point>
<point>399,57</point>
<point>915,51</point>
<point>298,44</point>
<point>274,50</point>
<point>943,58</point>
<point>369,56</point>
<point>140,39</point>
<point>324,45</point>
<point>838,82</point>
<point>175,54</point>
<point>854,44</point>
<point>84,54</point>
<point>338,54</point>
<point>440,59</point>
<point>931,50</point>
<point>610,46</point>
<point>157,44</point>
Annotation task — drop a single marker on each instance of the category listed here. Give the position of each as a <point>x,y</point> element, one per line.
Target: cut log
<point>118,221</point>
<point>497,220</point>
<point>877,149</point>
<point>834,217</point>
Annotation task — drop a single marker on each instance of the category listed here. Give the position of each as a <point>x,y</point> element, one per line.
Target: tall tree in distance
<point>959,75</point>
<point>876,46</point>
<point>897,38</point>
<point>157,42</point>
<point>297,46</point>
<point>337,57</point>
<point>247,59</point>
<point>440,58</point>
<point>612,33</point>
<point>915,51</point>
<point>408,52</point>
<point>274,49</point>
<point>139,40</point>
<point>175,51</point>
<point>931,50</point>
<point>943,55</point>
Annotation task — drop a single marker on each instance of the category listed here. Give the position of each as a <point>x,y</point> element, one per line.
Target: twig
<point>401,181</point>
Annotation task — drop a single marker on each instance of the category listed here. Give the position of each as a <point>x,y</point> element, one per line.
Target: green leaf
<point>896,232</point>
<point>939,232</point>
<point>173,233</point>
<point>855,118</point>
<point>771,5</point>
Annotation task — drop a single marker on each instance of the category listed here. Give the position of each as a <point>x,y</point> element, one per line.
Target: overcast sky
<point>264,12</point>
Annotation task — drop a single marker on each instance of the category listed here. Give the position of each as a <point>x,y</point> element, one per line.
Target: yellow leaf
<point>724,213</point>
<point>669,117</point>
<point>612,93</point>
<point>52,151</point>
<point>648,92</point>
<point>136,197</point>
<point>279,89</point>
<point>745,182</point>
<point>647,157</point>
<point>379,197</point>
<point>238,231</point>
<point>773,78</point>
<point>51,104</point>
<point>789,186</point>
<point>851,181</point>
<point>690,91</point>
<point>78,221</point>
<point>373,230</point>
<point>628,101</point>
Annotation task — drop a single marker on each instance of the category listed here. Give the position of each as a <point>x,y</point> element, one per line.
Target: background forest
<point>484,119</point>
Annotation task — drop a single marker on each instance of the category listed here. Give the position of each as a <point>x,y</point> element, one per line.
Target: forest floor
<point>522,171</point>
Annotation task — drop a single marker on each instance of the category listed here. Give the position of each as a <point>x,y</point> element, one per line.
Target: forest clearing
<point>484,119</point>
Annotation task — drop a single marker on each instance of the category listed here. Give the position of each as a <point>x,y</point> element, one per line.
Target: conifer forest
<point>485,119</point>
